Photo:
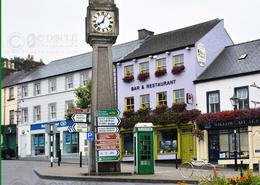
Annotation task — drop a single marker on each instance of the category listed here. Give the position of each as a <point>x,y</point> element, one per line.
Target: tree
<point>83,101</point>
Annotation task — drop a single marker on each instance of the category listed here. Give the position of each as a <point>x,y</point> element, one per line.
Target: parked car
<point>7,153</point>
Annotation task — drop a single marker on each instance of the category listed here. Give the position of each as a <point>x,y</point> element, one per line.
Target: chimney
<point>143,34</point>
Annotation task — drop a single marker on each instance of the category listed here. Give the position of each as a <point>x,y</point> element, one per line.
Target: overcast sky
<point>54,29</point>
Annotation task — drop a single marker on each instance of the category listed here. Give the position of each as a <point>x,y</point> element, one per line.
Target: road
<point>21,173</point>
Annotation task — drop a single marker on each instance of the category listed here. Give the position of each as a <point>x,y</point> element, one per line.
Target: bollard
<point>176,164</point>
<point>241,168</point>
<point>80,159</point>
<point>59,157</point>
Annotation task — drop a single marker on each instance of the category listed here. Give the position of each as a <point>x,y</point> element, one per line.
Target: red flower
<point>177,69</point>
<point>128,78</point>
<point>143,76</point>
<point>160,72</point>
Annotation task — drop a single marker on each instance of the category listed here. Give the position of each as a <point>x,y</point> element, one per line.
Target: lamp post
<point>18,111</point>
<point>234,101</point>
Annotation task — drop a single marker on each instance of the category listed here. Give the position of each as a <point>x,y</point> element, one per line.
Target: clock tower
<point>102,29</point>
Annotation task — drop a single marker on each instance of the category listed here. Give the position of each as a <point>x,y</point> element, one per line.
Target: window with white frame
<point>243,99</point>
<point>178,96</point>
<point>69,82</point>
<point>161,64</point>
<point>68,104</point>
<point>24,91</point>
<point>52,85</point>
<point>24,115</point>
<point>52,111</point>
<point>37,113</point>
<point>213,101</point>
<point>11,93</point>
<point>37,88</point>
<point>145,101</point>
<point>178,60</point>
<point>84,76</point>
<point>11,116</point>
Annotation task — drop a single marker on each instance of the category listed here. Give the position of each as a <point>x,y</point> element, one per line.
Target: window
<point>24,91</point>
<point>37,113</point>
<point>84,78</point>
<point>71,142</point>
<point>129,70</point>
<point>128,144</point>
<point>242,94</point>
<point>38,144</point>
<point>68,104</point>
<point>144,67</point>
<point>11,93</point>
<point>11,114</point>
<point>129,104</point>
<point>167,141</point>
<point>52,111</point>
<point>162,98</point>
<point>178,96</point>
<point>228,140</point>
<point>161,64</point>
<point>25,115</point>
<point>37,89</point>
<point>52,85</point>
<point>213,101</point>
<point>69,82</point>
<point>178,60</point>
<point>145,101</point>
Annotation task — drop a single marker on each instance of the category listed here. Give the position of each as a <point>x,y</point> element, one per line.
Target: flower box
<point>143,76</point>
<point>128,78</point>
<point>178,69</point>
<point>160,72</point>
<point>178,107</point>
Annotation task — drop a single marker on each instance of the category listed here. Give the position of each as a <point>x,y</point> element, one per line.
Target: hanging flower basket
<point>198,133</point>
<point>178,69</point>
<point>128,78</point>
<point>143,76</point>
<point>178,107</point>
<point>160,72</point>
<point>160,109</point>
<point>128,113</point>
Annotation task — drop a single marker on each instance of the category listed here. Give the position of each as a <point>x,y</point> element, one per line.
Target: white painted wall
<point>226,88</point>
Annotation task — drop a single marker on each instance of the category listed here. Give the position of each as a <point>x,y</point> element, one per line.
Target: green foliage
<point>83,95</point>
<point>83,101</point>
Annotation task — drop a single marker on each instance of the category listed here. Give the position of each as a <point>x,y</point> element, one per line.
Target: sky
<point>55,29</point>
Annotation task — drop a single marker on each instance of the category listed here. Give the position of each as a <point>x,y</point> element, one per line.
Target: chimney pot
<point>144,33</point>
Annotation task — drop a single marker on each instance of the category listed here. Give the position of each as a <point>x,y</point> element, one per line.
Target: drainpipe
<point>250,146</point>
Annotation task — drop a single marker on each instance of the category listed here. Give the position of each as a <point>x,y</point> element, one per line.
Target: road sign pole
<point>51,137</point>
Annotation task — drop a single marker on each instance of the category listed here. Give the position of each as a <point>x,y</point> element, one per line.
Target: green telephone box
<point>143,148</point>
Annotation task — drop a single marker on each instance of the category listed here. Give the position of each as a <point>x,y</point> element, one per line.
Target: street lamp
<point>234,101</point>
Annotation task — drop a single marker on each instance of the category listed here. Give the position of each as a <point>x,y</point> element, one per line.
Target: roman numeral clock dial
<point>102,22</point>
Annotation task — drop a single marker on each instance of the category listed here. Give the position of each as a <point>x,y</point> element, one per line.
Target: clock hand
<point>103,20</point>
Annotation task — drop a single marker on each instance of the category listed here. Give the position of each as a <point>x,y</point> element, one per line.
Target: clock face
<point>102,21</point>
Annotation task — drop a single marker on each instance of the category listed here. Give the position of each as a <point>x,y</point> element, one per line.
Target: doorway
<point>23,146</point>
<point>187,144</point>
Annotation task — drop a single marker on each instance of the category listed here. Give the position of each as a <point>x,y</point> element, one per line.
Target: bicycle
<point>201,168</point>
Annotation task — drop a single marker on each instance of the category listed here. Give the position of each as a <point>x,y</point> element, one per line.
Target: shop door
<point>213,148</point>
<point>145,155</point>
<point>23,146</point>
<point>11,141</point>
<point>187,144</point>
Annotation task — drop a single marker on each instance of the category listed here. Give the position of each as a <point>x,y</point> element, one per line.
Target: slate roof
<point>14,78</point>
<point>78,62</point>
<point>227,64</point>
<point>173,40</point>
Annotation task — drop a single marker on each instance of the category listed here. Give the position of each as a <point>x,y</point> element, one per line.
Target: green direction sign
<point>107,159</point>
<point>113,112</point>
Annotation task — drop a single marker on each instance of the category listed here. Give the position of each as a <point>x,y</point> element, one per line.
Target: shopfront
<point>169,142</point>
<point>9,137</point>
<point>66,141</point>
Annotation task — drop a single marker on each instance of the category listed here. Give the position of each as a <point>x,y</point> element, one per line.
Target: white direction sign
<point>81,127</point>
<point>108,153</point>
<point>82,118</point>
<point>108,121</point>
<point>108,129</point>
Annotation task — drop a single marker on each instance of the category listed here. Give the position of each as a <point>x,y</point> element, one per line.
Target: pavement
<point>166,174</point>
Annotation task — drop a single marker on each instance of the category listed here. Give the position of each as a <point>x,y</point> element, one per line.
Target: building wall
<point>226,88</point>
<point>214,42</point>
<point>8,105</point>
<point>44,99</point>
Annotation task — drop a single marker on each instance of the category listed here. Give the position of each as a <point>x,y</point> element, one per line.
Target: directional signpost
<point>80,118</point>
<point>108,137</point>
